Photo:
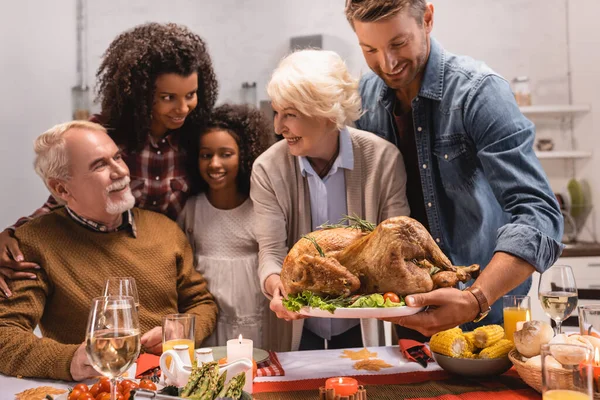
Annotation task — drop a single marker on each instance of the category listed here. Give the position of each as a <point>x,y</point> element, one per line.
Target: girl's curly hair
<point>251,131</point>
<point>128,72</point>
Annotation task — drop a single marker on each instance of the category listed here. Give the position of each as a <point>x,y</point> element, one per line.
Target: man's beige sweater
<point>75,262</point>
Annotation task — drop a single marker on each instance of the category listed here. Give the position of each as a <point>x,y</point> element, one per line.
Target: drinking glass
<point>567,372</point>
<point>178,329</point>
<point>589,320</point>
<point>113,337</point>
<point>558,293</point>
<point>515,309</point>
<point>122,286</point>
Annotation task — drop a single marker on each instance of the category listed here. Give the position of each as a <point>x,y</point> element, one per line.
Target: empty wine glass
<point>122,286</point>
<point>558,293</point>
<point>113,337</point>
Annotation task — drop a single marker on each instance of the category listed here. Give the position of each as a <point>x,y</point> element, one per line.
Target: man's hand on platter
<point>12,262</point>
<point>274,287</point>
<point>447,308</point>
<point>152,340</point>
<point>81,368</point>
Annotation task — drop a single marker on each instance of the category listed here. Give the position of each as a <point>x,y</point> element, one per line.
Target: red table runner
<point>413,386</point>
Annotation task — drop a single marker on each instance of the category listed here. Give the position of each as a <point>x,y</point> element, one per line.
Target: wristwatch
<point>484,307</point>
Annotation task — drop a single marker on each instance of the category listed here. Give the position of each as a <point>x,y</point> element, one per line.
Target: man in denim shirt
<point>473,178</point>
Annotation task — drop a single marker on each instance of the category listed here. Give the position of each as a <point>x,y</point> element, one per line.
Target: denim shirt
<point>484,188</point>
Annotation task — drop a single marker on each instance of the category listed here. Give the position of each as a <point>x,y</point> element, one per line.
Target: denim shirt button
<point>445,156</point>
<point>437,240</point>
<point>419,129</point>
<point>424,166</point>
<point>429,204</point>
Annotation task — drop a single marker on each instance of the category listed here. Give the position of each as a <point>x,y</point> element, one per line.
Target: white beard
<point>119,207</point>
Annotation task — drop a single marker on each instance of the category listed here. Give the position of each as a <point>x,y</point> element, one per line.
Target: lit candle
<point>342,385</point>
<point>241,348</point>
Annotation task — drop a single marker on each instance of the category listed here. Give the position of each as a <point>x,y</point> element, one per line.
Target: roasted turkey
<point>398,256</point>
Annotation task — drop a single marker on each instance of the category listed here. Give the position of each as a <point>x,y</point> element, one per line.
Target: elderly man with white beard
<point>97,234</point>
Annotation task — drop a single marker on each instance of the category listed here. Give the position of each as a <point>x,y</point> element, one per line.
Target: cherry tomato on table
<point>85,396</point>
<point>147,384</point>
<point>104,385</point>
<point>74,394</point>
<point>127,385</point>
<point>103,396</point>
<point>82,387</point>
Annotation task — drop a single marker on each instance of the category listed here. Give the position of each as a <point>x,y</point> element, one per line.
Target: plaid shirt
<point>159,180</point>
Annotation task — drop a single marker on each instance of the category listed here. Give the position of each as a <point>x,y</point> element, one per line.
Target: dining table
<point>298,375</point>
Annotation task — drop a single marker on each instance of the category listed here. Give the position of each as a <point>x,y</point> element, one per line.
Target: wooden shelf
<point>556,109</point>
<point>571,154</point>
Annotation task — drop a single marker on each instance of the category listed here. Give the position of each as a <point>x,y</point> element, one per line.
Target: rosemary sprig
<point>327,225</point>
<point>355,222</point>
<point>351,222</point>
<point>314,242</point>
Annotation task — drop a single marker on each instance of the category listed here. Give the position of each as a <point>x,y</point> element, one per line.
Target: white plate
<point>361,312</point>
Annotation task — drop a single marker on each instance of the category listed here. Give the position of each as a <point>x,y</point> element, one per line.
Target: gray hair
<point>51,160</point>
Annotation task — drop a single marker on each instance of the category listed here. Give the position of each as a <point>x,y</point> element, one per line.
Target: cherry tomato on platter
<point>393,297</point>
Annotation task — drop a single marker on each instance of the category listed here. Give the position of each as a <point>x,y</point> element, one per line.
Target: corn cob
<point>469,354</point>
<point>488,335</point>
<point>498,350</point>
<point>449,343</point>
<point>470,338</point>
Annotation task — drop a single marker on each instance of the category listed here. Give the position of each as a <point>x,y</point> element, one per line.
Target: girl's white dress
<point>226,254</point>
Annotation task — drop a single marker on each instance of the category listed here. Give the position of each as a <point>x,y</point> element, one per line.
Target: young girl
<point>219,221</point>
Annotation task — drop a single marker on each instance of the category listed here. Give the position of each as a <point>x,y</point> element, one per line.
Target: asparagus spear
<point>195,377</point>
<point>234,387</point>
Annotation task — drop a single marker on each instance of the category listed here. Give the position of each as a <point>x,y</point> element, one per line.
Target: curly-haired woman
<point>219,222</point>
<point>156,85</point>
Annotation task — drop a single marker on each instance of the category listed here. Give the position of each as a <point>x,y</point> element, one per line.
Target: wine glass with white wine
<point>558,293</point>
<point>113,337</point>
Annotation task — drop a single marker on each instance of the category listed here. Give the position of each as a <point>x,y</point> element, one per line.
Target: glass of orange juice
<point>516,309</point>
<point>178,329</point>
<point>567,372</point>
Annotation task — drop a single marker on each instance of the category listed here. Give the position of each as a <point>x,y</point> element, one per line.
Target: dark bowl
<point>473,366</point>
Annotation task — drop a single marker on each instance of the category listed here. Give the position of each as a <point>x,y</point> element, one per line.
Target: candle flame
<point>597,356</point>
<point>240,338</point>
<point>341,380</point>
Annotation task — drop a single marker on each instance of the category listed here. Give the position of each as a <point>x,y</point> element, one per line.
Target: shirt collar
<point>345,158</point>
<point>172,139</point>
<point>128,223</point>
<point>432,86</point>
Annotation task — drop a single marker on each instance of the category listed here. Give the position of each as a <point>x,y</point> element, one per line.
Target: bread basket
<point>533,376</point>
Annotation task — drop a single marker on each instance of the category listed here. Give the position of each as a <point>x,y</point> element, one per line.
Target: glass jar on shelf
<point>521,90</point>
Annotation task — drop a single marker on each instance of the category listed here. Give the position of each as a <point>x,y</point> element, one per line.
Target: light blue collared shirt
<point>328,204</point>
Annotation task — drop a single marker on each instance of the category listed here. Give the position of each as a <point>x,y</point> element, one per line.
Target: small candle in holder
<point>342,386</point>
<point>241,348</point>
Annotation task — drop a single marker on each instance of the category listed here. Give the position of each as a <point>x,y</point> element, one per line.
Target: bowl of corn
<point>482,352</point>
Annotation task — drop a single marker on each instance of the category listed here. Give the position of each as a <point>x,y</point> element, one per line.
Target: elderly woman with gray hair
<point>321,171</point>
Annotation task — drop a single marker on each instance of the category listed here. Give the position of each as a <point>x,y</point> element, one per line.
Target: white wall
<point>37,71</point>
<point>247,38</point>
